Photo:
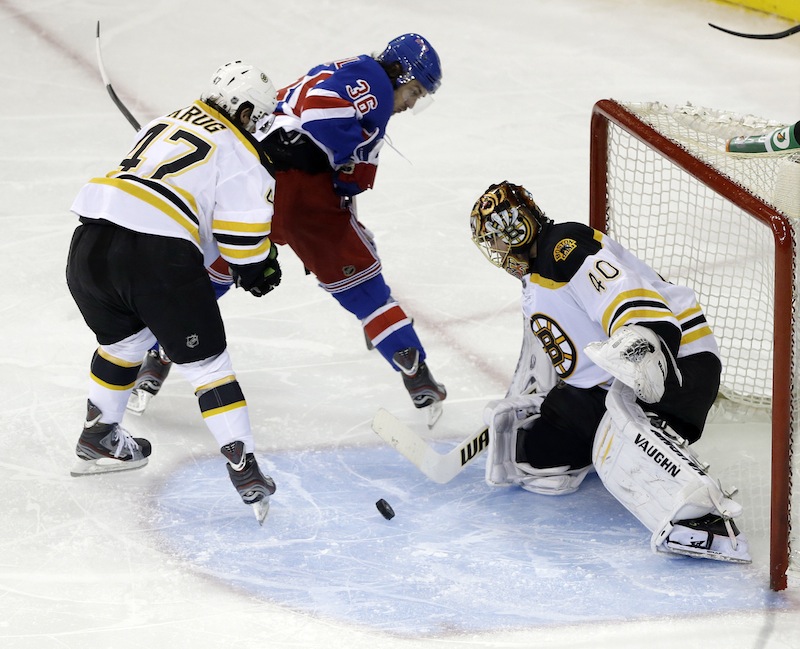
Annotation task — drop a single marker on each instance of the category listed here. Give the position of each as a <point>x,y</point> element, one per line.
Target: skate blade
<point>105,465</point>
<point>138,401</point>
<point>434,412</point>
<point>261,509</point>
<point>701,553</point>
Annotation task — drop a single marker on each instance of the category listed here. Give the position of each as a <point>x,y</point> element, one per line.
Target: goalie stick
<point>439,467</point>
<point>117,101</point>
<point>776,35</point>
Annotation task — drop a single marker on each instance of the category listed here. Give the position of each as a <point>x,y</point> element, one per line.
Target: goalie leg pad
<point>653,473</point>
<point>554,481</point>
<point>504,419</point>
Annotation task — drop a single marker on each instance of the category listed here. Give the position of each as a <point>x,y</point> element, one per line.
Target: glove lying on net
<point>260,278</point>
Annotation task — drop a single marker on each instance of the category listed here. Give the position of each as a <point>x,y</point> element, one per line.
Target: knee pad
<point>553,481</point>
<point>206,374</point>
<point>363,299</point>
<point>131,349</point>
<point>651,470</point>
<point>386,325</point>
<point>504,419</point>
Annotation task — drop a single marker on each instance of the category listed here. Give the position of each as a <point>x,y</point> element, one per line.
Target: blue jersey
<point>343,107</point>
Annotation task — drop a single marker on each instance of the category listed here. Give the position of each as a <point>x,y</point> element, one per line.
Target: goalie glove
<point>260,278</point>
<point>635,355</point>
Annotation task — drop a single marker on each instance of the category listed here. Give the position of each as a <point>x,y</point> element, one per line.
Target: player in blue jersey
<point>324,142</point>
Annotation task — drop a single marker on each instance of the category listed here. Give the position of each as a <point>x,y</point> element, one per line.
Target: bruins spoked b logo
<point>556,343</point>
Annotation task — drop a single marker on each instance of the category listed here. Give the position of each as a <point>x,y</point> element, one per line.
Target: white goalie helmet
<point>505,222</point>
<point>237,83</point>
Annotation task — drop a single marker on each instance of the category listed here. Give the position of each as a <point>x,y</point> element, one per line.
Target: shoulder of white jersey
<point>561,250</point>
<point>210,122</point>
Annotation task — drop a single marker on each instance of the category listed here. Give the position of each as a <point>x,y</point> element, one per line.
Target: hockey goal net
<point>726,224</point>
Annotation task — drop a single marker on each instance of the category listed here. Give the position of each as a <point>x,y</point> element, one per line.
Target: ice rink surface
<point>168,556</point>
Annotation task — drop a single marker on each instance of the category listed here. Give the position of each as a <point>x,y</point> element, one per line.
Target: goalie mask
<point>505,222</point>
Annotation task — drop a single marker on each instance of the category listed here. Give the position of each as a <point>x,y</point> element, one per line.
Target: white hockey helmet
<point>505,222</point>
<point>235,84</point>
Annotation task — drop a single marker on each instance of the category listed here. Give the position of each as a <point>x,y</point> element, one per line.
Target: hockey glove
<point>634,355</point>
<point>259,279</point>
<point>354,178</point>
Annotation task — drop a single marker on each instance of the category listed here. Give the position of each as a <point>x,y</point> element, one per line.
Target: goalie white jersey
<point>192,175</point>
<point>584,285</point>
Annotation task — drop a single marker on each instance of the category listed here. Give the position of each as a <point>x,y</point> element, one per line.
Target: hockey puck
<point>385,509</point>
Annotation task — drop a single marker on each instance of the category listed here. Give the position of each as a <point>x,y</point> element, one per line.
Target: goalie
<point>618,371</point>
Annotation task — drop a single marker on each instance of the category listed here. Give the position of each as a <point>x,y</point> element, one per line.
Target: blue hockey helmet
<point>417,58</point>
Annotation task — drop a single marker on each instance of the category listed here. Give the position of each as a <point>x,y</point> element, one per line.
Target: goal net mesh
<point>682,225</point>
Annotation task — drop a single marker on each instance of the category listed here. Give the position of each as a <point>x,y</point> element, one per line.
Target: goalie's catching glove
<point>260,278</point>
<point>635,355</point>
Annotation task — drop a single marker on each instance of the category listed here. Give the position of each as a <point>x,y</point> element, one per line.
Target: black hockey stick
<point>117,101</point>
<point>776,35</point>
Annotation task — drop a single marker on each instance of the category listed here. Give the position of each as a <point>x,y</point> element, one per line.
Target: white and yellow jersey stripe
<point>192,175</point>
<point>584,286</point>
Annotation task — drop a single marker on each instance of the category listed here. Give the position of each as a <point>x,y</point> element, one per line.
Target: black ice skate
<point>151,377</point>
<point>103,448</point>
<point>253,486</point>
<point>425,392</point>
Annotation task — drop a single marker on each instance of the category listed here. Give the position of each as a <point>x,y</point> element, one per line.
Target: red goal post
<point>663,184</point>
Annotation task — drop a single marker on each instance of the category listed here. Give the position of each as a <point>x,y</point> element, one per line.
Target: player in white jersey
<point>192,189</point>
<point>156,364</point>
<point>618,372</point>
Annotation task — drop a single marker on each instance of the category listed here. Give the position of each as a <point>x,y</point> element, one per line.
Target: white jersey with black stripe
<point>192,175</point>
<point>584,286</point>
